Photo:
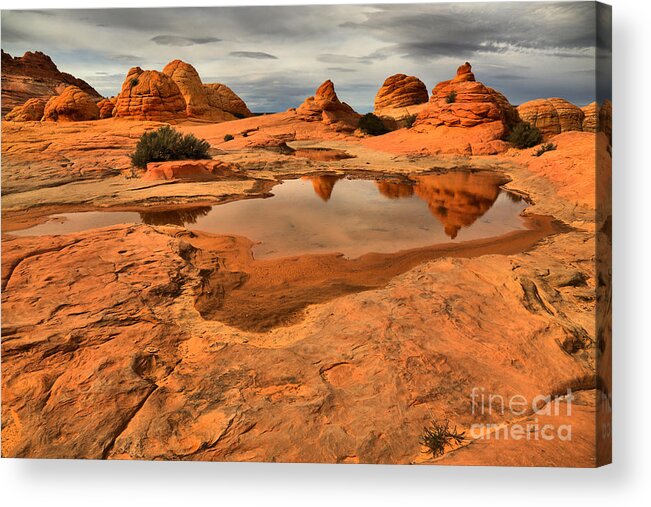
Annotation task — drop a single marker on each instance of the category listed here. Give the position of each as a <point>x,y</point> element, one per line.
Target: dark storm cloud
<point>177,40</point>
<point>526,50</point>
<point>464,30</point>
<point>345,59</point>
<point>255,55</point>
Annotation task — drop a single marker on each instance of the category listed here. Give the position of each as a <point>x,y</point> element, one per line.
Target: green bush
<point>524,135</point>
<point>228,137</point>
<point>438,435</point>
<point>372,125</point>
<point>409,121</point>
<point>451,98</point>
<point>168,144</point>
<point>545,148</point>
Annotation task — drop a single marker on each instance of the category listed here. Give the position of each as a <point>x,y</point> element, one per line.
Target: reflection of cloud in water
<point>181,216</point>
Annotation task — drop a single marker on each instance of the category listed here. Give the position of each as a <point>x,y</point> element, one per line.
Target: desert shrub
<point>451,98</point>
<point>409,121</point>
<point>524,135</point>
<point>438,435</point>
<point>372,125</point>
<point>168,144</point>
<point>544,148</point>
<point>245,134</point>
<point>228,137</point>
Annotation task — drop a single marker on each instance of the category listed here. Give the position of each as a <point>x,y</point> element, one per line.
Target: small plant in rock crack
<point>438,435</point>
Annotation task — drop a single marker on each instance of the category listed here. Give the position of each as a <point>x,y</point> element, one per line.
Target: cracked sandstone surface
<point>106,352</point>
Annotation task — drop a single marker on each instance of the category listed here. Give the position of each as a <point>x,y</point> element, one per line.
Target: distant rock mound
<point>464,102</point>
<point>149,95</point>
<point>552,116</point>
<point>326,107</point>
<point>606,119</point>
<point>590,118</point>
<point>221,97</point>
<point>398,94</point>
<point>106,107</point>
<point>34,75</point>
<point>32,110</point>
<point>214,102</point>
<point>465,116</point>
<point>73,104</point>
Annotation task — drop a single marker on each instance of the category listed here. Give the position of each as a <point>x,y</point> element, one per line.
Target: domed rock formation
<point>465,116</point>
<point>221,97</point>
<point>187,79</point>
<point>73,104</point>
<point>398,94</point>
<point>590,118</point>
<point>325,106</point>
<point>106,107</point>
<point>32,110</point>
<point>215,102</point>
<point>552,116</point>
<point>606,118</point>
<point>149,95</point>
<point>34,75</point>
<point>464,102</point>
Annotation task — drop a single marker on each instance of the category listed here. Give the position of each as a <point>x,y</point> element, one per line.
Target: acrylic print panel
<point>241,234</point>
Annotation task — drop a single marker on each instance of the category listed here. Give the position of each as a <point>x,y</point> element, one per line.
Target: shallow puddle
<point>329,213</point>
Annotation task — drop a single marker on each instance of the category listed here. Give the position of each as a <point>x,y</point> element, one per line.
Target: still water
<point>324,214</point>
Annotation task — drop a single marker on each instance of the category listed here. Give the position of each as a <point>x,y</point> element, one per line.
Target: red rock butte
<point>34,75</point>
<point>325,106</point>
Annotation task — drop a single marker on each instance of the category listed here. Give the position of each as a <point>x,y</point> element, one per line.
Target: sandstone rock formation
<point>106,107</point>
<point>32,110</point>
<point>398,94</point>
<point>326,107</point>
<point>464,102</point>
<point>194,170</point>
<point>221,97</point>
<point>606,119</point>
<point>34,75</point>
<point>590,118</point>
<point>463,116</point>
<point>214,102</point>
<point>73,104</point>
<point>552,116</point>
<point>149,95</point>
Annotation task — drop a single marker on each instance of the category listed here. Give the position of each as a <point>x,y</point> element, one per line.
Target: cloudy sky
<point>274,57</point>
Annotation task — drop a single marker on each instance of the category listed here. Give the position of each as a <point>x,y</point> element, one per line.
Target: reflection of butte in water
<point>323,185</point>
<point>456,199</point>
